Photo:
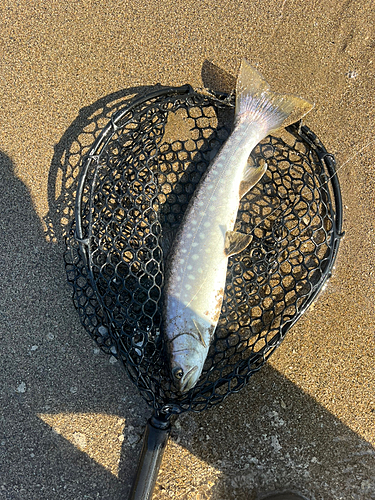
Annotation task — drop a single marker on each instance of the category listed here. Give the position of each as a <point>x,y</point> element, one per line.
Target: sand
<point>70,421</point>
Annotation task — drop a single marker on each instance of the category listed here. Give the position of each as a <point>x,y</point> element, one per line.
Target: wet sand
<point>71,421</point>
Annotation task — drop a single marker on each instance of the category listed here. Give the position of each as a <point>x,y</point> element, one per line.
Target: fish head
<point>186,361</point>
<point>188,337</point>
<point>185,377</point>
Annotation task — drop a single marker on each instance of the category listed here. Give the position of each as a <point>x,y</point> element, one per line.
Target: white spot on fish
<point>188,287</point>
<point>202,236</point>
<point>200,270</point>
<point>195,256</point>
<point>195,244</point>
<point>191,277</point>
<point>189,267</point>
<point>207,224</point>
<point>200,203</point>
<point>194,222</point>
<point>181,261</point>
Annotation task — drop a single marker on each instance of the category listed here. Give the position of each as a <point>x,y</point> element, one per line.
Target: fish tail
<point>255,101</point>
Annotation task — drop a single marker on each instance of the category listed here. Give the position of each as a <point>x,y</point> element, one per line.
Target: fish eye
<point>178,373</point>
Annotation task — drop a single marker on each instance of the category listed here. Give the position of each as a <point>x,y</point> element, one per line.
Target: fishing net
<point>134,187</point>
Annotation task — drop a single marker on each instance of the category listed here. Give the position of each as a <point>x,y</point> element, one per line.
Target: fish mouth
<point>188,379</point>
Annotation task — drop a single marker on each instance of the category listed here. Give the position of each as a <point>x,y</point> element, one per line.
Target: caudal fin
<point>255,100</point>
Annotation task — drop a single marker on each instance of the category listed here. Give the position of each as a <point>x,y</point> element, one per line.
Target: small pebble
<point>103,330</point>
<point>21,388</point>
<point>79,439</point>
<point>275,443</point>
<point>133,438</point>
<point>352,74</point>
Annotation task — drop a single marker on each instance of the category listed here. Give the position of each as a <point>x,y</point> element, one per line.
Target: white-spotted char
<point>197,263</point>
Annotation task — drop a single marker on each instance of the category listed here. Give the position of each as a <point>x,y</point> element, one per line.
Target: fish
<point>197,263</point>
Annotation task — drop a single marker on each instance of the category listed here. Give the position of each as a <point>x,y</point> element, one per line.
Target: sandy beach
<point>71,421</point>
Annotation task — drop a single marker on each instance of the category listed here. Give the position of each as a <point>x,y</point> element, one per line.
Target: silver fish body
<point>197,265</point>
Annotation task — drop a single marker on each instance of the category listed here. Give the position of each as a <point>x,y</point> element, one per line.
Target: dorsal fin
<point>167,239</point>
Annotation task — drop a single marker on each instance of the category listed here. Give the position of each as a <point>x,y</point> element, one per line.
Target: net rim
<point>219,100</point>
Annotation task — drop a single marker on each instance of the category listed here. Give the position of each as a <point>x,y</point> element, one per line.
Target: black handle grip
<point>155,439</point>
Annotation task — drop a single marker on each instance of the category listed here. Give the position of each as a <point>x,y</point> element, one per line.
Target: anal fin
<point>235,242</point>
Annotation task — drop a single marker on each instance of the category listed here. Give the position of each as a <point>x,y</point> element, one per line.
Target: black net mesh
<point>135,185</point>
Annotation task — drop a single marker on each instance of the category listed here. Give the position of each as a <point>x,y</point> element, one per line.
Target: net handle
<point>155,439</point>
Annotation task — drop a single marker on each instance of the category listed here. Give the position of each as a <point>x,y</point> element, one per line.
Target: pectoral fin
<point>235,242</point>
<point>252,175</point>
<point>200,336</point>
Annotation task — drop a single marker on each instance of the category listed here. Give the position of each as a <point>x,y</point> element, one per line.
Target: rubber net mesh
<point>135,185</point>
